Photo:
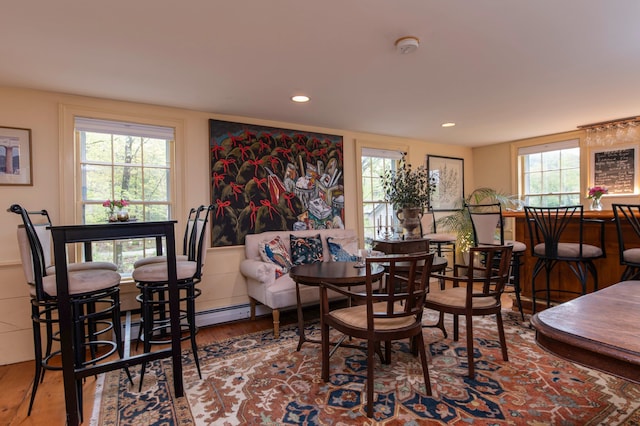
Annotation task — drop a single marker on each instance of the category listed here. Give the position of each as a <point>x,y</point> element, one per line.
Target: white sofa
<point>280,293</point>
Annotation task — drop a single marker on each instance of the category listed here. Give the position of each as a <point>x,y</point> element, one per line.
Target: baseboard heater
<point>131,326</point>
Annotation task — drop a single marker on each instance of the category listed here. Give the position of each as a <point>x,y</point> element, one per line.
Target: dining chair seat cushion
<point>356,316</point>
<point>157,272</point>
<point>631,255</point>
<point>457,297</point>
<point>571,250</point>
<point>158,259</point>
<point>85,266</point>
<point>518,247</point>
<point>440,237</point>
<point>81,282</point>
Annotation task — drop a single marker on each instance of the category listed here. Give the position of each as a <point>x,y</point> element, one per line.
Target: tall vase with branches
<point>408,190</point>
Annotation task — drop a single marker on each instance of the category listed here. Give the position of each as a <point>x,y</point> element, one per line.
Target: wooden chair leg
<point>456,323</point>
<point>503,340</point>
<point>469,325</point>
<point>370,368</point>
<point>425,363</point>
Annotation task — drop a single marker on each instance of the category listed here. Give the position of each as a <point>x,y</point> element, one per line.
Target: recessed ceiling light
<point>300,98</point>
<point>450,124</point>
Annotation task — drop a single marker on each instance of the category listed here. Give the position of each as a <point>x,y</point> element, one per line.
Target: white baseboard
<point>227,314</point>
<point>204,318</point>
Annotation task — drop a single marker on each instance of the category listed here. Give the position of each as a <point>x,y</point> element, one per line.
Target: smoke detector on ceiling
<point>407,44</point>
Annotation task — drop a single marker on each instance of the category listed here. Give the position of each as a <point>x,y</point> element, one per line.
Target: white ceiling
<point>501,69</point>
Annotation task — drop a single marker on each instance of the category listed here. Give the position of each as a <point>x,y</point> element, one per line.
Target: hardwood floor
<point>49,407</point>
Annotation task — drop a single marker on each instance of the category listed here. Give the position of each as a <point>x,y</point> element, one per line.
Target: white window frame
<point>542,148</point>
<point>384,218</point>
<point>70,181</point>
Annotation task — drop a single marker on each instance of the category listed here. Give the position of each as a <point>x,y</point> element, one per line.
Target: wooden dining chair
<point>627,218</point>
<point>380,314</point>
<point>475,291</point>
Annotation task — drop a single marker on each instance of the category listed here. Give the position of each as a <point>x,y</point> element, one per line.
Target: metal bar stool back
<point>549,245</point>
<point>94,290</point>
<point>627,218</point>
<point>152,279</point>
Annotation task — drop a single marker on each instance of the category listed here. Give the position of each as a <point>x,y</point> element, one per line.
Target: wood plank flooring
<point>49,407</point>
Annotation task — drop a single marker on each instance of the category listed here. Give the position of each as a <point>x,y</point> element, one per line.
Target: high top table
<point>63,235</point>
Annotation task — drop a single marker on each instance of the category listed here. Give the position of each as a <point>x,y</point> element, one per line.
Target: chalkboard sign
<point>615,169</point>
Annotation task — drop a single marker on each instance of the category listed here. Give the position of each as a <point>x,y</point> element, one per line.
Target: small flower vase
<point>112,216</point>
<point>596,205</point>
<point>123,215</point>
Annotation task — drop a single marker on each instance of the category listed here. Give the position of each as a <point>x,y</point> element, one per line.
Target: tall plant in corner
<point>460,221</point>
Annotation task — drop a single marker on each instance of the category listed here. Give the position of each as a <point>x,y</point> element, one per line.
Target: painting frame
<point>265,178</point>
<point>18,171</point>
<point>448,175</point>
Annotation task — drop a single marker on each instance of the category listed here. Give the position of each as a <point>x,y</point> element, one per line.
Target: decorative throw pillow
<point>275,251</point>
<point>306,249</point>
<point>343,249</point>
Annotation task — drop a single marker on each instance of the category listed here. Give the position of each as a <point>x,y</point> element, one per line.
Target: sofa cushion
<point>275,251</point>
<point>343,249</point>
<point>306,249</point>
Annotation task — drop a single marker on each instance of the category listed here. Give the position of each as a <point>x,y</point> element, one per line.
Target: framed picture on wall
<point>448,175</point>
<point>15,156</point>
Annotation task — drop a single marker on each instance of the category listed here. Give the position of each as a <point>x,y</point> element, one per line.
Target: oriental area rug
<point>257,380</point>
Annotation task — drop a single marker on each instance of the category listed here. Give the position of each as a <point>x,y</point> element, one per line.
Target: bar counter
<point>609,268</point>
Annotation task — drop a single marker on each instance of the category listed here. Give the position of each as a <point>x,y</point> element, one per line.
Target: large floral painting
<point>270,179</point>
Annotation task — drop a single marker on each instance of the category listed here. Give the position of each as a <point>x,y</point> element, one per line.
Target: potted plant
<point>408,190</point>
<point>460,221</point>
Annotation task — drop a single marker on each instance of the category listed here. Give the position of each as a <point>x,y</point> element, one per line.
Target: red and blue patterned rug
<point>256,380</point>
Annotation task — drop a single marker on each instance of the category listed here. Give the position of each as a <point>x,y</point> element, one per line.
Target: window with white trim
<point>377,212</point>
<point>550,174</point>
<point>130,161</point>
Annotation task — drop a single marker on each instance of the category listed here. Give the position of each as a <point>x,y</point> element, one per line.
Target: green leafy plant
<point>460,222</point>
<point>407,187</point>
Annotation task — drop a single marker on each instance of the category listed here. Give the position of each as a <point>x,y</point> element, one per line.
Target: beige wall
<point>223,286</point>
<point>495,166</point>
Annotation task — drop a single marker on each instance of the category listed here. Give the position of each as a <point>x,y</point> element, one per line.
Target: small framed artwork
<point>15,156</point>
<point>448,175</point>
